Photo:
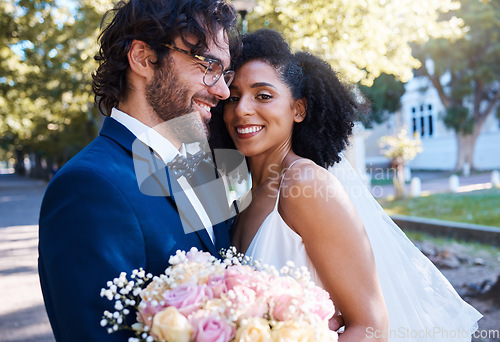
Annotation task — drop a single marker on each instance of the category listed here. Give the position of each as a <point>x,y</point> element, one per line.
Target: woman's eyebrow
<point>262,84</point>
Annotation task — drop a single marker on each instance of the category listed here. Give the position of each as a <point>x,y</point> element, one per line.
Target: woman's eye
<point>264,96</point>
<point>232,99</point>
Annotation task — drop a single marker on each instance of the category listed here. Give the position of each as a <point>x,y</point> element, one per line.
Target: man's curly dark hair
<point>154,22</point>
<point>331,106</point>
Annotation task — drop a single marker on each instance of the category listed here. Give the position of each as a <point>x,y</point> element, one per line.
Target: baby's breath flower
<point>118,305</point>
<point>284,270</point>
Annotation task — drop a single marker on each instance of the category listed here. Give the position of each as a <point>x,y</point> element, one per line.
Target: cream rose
<point>171,326</point>
<point>253,330</point>
<point>294,331</point>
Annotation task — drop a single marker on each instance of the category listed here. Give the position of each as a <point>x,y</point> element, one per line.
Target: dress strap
<point>281,181</point>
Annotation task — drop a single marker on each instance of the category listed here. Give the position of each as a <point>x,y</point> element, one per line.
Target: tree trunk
<point>466,144</point>
<point>399,181</point>
<point>37,168</point>
<point>19,164</point>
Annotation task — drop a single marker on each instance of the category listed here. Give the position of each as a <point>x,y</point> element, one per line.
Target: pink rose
<point>211,328</point>
<point>260,283</point>
<point>281,307</point>
<point>187,297</point>
<point>246,303</point>
<point>257,309</point>
<point>238,275</point>
<point>323,307</point>
<point>285,283</point>
<point>147,311</point>
<point>217,284</point>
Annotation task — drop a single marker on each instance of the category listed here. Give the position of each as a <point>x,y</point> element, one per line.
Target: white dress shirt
<point>167,152</point>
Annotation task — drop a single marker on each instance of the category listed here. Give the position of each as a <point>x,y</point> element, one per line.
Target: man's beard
<point>168,97</point>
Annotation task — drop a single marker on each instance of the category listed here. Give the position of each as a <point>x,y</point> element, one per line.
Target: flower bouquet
<point>202,298</point>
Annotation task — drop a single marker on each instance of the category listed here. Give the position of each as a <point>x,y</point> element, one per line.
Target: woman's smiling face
<point>260,111</point>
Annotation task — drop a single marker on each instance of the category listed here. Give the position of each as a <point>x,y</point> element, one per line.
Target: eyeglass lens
<point>214,72</point>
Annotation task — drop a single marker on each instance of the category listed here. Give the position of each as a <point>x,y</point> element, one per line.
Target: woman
<point>260,115</point>
<point>291,117</point>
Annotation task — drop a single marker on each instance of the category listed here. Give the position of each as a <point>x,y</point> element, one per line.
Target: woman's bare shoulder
<point>312,198</point>
<point>307,180</point>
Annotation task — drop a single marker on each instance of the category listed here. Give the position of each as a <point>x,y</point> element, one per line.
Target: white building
<point>421,112</point>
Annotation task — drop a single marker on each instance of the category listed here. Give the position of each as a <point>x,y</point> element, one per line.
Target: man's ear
<point>300,108</point>
<point>140,57</point>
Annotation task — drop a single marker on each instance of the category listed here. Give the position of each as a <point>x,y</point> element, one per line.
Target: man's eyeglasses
<point>213,71</point>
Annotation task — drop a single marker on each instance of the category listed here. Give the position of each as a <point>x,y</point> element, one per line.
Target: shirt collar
<point>161,145</point>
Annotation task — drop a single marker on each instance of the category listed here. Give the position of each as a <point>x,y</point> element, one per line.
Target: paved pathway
<point>434,182</point>
<point>22,314</point>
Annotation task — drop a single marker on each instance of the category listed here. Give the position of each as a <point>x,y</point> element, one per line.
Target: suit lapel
<point>154,181</point>
<point>191,222</point>
<point>222,237</point>
<point>210,190</point>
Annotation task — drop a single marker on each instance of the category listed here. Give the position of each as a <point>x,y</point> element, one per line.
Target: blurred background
<point>429,147</point>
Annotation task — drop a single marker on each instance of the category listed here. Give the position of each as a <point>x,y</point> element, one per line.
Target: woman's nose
<point>243,107</point>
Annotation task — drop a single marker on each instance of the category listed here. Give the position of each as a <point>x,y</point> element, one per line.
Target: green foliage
<point>459,118</point>
<point>360,38</point>
<point>46,64</point>
<point>384,96</point>
<point>466,70</point>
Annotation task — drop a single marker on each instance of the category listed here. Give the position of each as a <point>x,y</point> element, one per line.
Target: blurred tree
<point>466,73</point>
<point>385,98</point>
<point>360,38</point>
<point>46,99</point>
<point>401,149</point>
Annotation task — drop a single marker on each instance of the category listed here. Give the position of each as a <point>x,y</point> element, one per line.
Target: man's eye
<point>206,66</point>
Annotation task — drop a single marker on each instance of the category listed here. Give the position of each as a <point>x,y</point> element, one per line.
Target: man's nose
<point>220,89</point>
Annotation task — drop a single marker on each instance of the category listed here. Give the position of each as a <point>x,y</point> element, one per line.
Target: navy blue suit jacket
<point>95,222</point>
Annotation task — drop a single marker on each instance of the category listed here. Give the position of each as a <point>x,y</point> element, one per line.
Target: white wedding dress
<point>422,304</point>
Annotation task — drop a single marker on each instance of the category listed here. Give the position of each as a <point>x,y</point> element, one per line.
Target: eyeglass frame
<point>209,67</point>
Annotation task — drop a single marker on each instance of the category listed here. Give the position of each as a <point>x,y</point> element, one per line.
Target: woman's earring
<point>299,117</point>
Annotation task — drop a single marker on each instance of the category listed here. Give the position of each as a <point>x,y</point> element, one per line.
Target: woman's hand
<point>336,322</point>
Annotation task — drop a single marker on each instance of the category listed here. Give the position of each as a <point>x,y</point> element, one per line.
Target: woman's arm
<point>337,244</point>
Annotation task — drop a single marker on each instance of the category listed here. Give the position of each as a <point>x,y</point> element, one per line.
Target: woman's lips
<point>248,131</point>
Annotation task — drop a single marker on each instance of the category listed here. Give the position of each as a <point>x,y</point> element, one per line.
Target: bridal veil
<point>422,304</point>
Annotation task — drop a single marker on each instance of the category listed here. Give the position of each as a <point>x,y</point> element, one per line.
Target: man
<point>160,60</point>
